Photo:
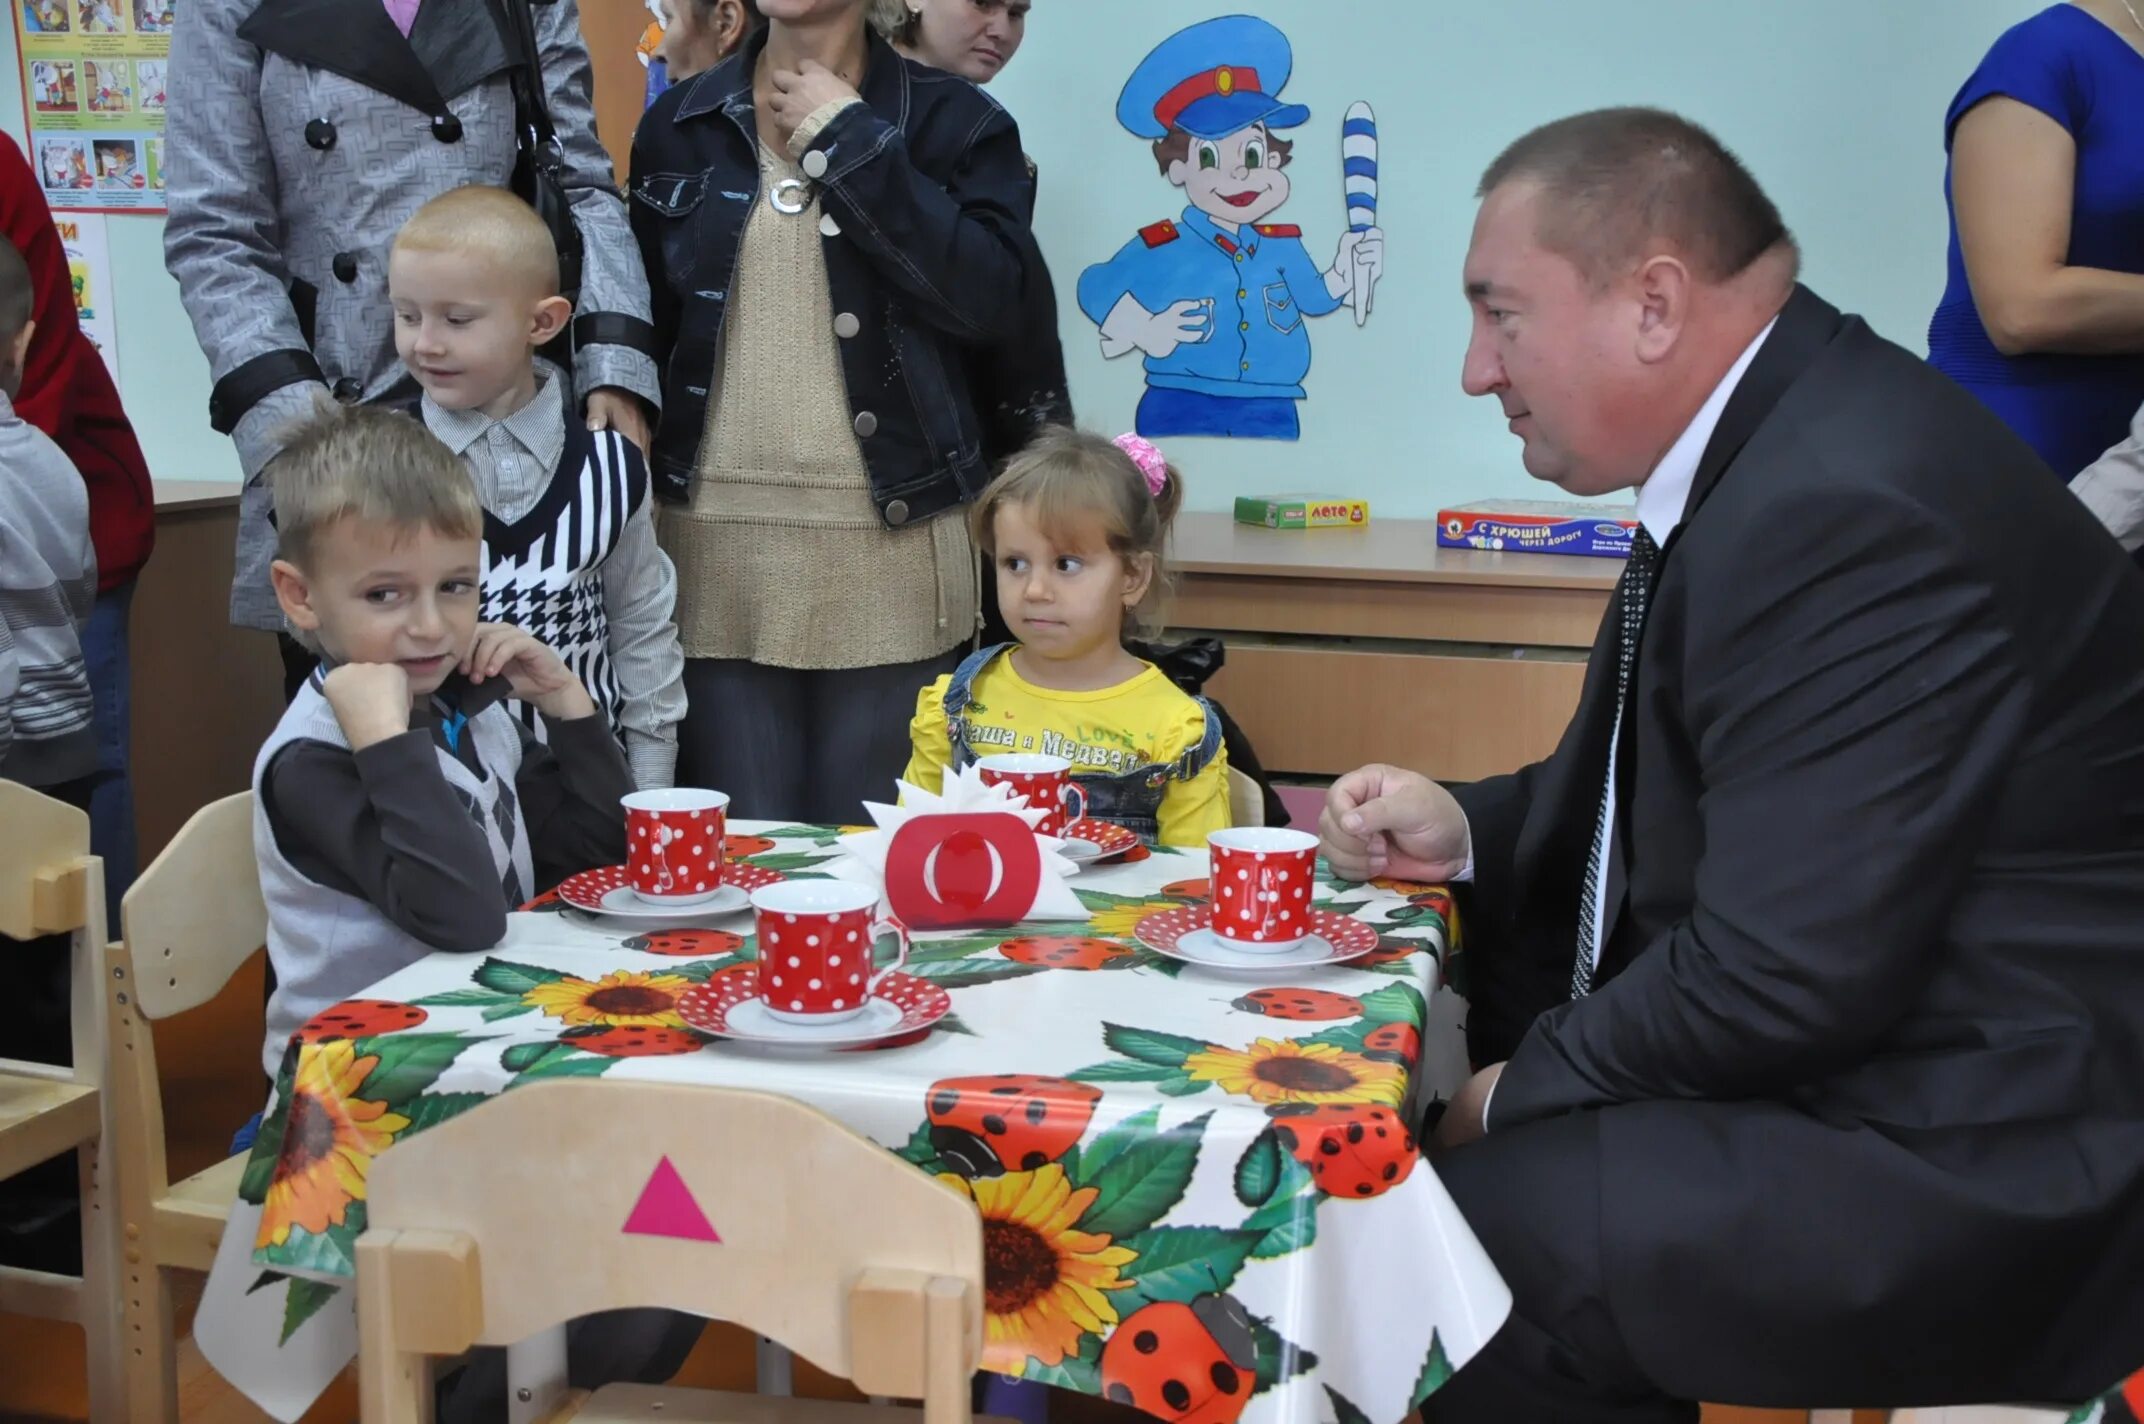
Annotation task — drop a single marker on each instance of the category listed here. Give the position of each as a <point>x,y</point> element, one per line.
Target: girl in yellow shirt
<point>1074,528</point>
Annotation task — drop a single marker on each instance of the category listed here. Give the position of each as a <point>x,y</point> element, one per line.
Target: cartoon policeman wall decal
<point>1217,299</point>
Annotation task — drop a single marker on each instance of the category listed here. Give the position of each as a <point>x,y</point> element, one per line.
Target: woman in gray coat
<point>300,135</point>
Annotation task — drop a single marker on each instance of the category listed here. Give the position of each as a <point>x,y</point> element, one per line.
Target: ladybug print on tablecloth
<point>1390,949</point>
<point>1393,1043</point>
<point>985,1126</point>
<point>1301,1005</point>
<point>736,848</point>
<point>1065,951</point>
<point>687,944</point>
<point>1353,1150</point>
<point>360,1018</point>
<point>1187,1364</point>
<point>635,1041</point>
<point>1188,889</point>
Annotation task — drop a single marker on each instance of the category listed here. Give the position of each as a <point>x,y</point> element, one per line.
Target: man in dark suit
<point>1809,970</point>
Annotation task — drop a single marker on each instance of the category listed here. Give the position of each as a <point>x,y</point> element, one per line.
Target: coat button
<point>897,511</point>
<point>827,226</point>
<point>320,134</point>
<point>447,128</point>
<point>345,266</point>
<point>846,325</point>
<point>348,390</point>
<point>866,424</point>
<point>814,164</point>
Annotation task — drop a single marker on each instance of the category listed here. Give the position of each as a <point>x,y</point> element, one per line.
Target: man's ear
<point>1662,288</point>
<point>549,319</point>
<point>1179,171</point>
<point>295,594</point>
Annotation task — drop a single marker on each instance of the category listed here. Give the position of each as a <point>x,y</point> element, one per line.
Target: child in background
<point>48,584</point>
<point>398,807</point>
<point>569,542</point>
<point>48,579</point>
<point>1075,529</point>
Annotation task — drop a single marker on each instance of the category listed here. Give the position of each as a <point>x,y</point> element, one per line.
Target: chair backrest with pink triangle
<point>557,1200</point>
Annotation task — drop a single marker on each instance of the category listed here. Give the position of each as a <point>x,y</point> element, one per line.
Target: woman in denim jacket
<point>828,229</point>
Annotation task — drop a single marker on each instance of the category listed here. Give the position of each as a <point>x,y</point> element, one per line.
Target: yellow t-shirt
<point>1145,720</point>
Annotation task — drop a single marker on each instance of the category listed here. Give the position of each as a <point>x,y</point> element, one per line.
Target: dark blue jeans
<point>111,802</point>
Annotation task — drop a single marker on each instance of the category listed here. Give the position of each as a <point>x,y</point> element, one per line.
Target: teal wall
<point>1836,104</point>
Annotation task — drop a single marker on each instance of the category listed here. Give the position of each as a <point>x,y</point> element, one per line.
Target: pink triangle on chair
<point>666,1208</point>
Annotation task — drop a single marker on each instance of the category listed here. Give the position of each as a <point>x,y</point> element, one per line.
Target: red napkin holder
<point>963,871</point>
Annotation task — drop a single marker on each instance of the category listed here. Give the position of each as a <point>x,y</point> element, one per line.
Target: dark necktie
<point>1632,594</point>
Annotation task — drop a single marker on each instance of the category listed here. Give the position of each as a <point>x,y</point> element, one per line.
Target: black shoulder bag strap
<point>539,160</point>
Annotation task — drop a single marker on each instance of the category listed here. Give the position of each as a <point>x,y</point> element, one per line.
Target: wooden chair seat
<point>190,1217</point>
<point>42,1117</point>
<point>652,1404</point>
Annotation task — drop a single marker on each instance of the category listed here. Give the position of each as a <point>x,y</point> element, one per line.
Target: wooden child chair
<point>50,884</point>
<point>191,920</point>
<point>565,1198</point>
<point>1246,802</point>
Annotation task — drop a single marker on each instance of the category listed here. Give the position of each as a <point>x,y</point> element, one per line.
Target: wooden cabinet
<point>1348,646</point>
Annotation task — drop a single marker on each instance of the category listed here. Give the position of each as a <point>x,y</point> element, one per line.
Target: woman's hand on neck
<point>837,41</point>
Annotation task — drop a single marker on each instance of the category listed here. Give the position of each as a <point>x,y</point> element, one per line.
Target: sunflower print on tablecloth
<point>1274,1071</point>
<point>1047,1283</point>
<point>329,1141</point>
<point>627,998</point>
<point>1118,918</point>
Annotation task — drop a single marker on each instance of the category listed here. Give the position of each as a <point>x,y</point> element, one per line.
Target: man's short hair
<point>367,463</point>
<point>18,298</point>
<point>490,224</point>
<point>1619,184</point>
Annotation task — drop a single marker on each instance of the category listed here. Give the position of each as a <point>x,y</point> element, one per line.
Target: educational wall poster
<point>89,264</point>
<point>1215,300</point>
<point>93,78</point>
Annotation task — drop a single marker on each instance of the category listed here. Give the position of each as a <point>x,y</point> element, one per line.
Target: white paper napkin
<point>863,859</point>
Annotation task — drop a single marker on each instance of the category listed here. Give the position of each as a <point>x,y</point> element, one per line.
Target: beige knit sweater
<point>781,556</point>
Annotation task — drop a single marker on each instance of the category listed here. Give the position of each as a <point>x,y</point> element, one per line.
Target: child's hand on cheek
<point>531,669</point>
<point>371,702</point>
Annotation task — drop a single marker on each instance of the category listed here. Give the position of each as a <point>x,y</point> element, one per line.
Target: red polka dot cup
<point>816,939</point>
<point>1046,782</point>
<point>673,844</point>
<point>1261,879</point>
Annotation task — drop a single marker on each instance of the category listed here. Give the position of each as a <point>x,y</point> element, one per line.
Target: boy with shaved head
<point>569,542</point>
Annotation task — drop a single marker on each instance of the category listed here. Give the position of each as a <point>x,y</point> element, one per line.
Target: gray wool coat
<point>300,135</point>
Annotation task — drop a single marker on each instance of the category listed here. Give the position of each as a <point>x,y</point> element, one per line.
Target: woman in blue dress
<point>2043,314</point>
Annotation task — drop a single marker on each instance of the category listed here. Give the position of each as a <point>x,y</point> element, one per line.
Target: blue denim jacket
<point>929,258</point>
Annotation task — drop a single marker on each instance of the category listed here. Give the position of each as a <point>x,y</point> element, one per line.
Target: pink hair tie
<point>1148,457</point>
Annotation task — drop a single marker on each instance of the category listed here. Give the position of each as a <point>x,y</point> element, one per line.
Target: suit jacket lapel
<point>1807,323</point>
<point>353,38</point>
<point>459,42</point>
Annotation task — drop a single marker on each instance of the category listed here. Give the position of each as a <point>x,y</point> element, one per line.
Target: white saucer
<point>752,1021</point>
<point>1080,852</point>
<point>625,903</point>
<point>1205,948</point>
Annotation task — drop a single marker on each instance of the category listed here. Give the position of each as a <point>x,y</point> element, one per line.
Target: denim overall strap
<point>1132,799</point>
<point>959,692</point>
<point>1196,760</point>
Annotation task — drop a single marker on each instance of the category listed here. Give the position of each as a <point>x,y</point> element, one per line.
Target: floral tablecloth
<point>1205,1199</point>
